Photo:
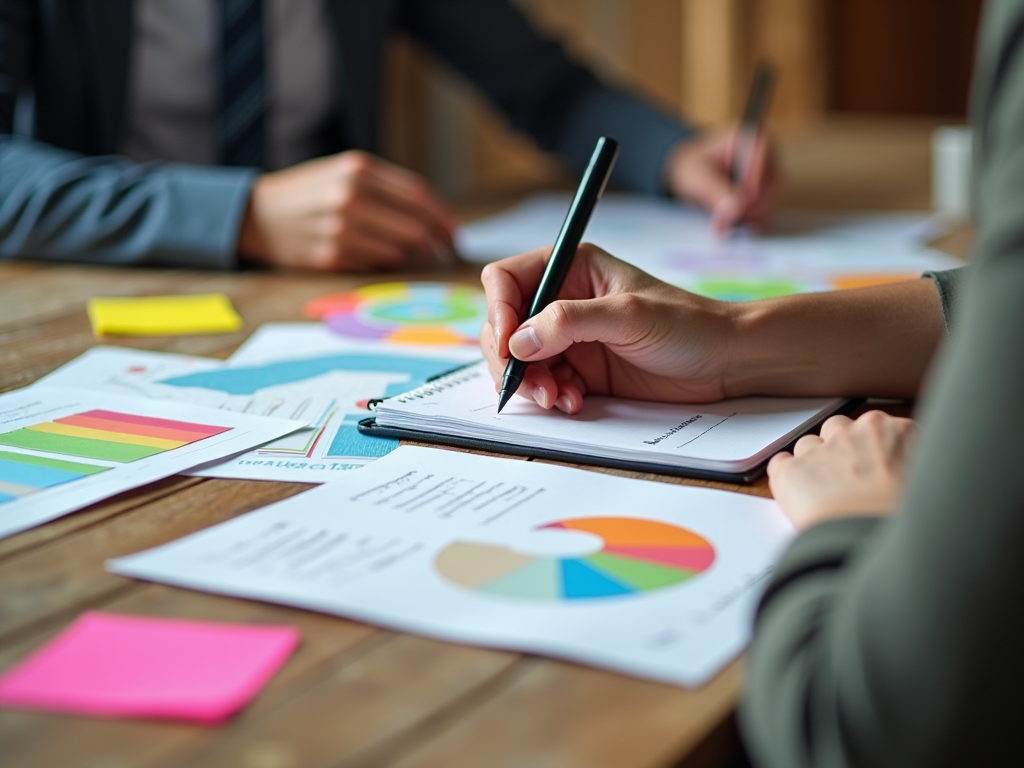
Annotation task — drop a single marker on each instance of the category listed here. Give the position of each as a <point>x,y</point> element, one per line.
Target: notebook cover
<point>370,427</point>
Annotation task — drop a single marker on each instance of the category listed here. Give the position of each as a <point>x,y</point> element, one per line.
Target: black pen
<point>592,185</point>
<point>752,122</point>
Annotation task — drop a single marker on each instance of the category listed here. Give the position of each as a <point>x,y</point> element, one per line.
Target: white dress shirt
<point>173,92</point>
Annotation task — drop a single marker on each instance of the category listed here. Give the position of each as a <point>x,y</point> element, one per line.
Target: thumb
<point>564,323</point>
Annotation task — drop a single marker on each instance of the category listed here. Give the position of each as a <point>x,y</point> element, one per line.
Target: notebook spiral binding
<point>372,404</point>
<point>453,379</point>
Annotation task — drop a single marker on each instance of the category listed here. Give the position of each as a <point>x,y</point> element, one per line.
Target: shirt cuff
<point>949,283</point>
<point>825,546</point>
<point>204,211</point>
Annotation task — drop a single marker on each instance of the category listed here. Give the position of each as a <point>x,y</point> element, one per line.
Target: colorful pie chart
<point>637,556</point>
<point>405,313</point>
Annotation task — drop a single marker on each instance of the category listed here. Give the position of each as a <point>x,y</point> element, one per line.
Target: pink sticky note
<point>108,665</point>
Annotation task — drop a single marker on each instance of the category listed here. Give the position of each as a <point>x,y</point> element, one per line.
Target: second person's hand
<point>615,330</point>
<point>853,469</point>
<point>698,170</point>
<point>350,211</point>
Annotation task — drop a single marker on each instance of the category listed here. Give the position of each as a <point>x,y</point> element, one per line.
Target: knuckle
<point>563,317</point>
<point>324,257</point>
<point>806,442</point>
<point>343,196</point>
<point>874,420</point>
<point>359,161</point>
<point>421,238</point>
<point>328,230</point>
<point>630,308</point>
<point>356,166</point>
<point>336,228</point>
<point>420,191</point>
<point>489,274</point>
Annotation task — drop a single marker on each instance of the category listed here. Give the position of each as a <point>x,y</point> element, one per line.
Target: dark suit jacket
<point>898,643</point>
<point>63,195</point>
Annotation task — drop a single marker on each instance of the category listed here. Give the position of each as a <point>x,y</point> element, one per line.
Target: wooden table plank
<point>36,739</point>
<point>35,293</point>
<point>356,710</point>
<point>568,715</point>
<point>52,583</point>
<point>93,514</point>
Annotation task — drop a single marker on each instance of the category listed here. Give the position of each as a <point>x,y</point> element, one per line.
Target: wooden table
<point>353,694</point>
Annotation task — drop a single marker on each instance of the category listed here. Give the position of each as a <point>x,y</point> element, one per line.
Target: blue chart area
<point>248,380</point>
<point>580,581</point>
<point>349,443</point>
<point>21,474</point>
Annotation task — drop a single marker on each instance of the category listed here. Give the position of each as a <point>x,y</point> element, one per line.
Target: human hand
<point>614,330</point>
<point>855,468</point>
<point>697,170</point>
<point>350,211</point>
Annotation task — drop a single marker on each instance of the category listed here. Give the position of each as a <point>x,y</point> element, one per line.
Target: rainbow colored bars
<point>21,475</point>
<point>109,436</point>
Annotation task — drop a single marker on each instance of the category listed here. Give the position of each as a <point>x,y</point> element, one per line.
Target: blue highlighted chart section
<point>637,556</point>
<point>350,443</point>
<point>21,474</point>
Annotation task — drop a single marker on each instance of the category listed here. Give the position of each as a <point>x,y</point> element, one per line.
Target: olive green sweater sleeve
<point>901,642</point>
<point>948,282</point>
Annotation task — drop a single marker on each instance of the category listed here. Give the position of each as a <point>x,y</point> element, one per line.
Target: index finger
<point>508,284</point>
<point>408,192</point>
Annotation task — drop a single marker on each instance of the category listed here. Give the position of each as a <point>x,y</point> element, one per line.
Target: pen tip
<point>503,398</point>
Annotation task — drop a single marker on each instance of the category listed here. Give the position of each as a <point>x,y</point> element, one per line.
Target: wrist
<point>759,359</point>
<point>251,241</point>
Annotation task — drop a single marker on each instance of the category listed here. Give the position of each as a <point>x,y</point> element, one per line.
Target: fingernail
<point>564,404</point>
<point>524,343</point>
<point>541,396</point>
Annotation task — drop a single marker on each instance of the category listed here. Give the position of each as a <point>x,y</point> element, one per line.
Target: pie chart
<point>404,313</point>
<point>637,556</point>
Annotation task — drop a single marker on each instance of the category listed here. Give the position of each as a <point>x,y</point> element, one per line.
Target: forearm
<point>870,342</point>
<point>559,103</point>
<point>60,205</point>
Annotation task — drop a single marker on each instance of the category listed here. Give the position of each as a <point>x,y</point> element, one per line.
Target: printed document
<point>63,449</point>
<point>646,578</point>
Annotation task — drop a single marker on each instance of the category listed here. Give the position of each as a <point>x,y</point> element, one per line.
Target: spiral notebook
<point>731,439</point>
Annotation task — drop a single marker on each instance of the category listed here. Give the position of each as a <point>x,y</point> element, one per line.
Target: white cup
<point>951,171</point>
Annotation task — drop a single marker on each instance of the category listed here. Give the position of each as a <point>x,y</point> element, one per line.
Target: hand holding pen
<point>595,179</point>
<point>730,172</point>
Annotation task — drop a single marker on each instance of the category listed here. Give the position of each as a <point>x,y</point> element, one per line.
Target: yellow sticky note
<point>163,315</point>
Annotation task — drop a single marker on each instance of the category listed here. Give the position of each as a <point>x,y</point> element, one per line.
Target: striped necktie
<point>243,83</point>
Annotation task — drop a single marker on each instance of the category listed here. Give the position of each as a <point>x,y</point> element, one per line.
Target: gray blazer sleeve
<point>62,206</point>
<point>562,105</point>
<point>899,643</point>
<point>65,206</point>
